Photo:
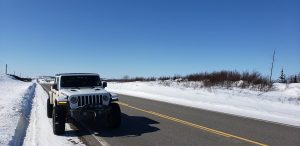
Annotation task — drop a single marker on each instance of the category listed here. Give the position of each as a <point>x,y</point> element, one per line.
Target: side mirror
<point>54,86</point>
<point>104,84</point>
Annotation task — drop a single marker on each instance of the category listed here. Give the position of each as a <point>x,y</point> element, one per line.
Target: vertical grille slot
<point>86,100</point>
<point>79,101</point>
<point>94,100</point>
<point>90,100</point>
<point>97,99</point>
<point>82,100</point>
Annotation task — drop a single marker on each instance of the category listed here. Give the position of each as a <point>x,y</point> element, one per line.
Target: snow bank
<point>12,92</point>
<point>15,99</point>
<point>281,105</point>
<point>40,131</point>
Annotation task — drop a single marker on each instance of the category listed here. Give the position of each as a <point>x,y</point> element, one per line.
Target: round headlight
<point>105,98</point>
<point>73,100</point>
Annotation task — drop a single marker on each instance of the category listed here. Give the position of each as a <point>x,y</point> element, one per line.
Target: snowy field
<point>281,104</point>
<point>15,100</point>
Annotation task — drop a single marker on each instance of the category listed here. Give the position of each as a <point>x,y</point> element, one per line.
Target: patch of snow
<point>281,105</point>
<point>12,94</point>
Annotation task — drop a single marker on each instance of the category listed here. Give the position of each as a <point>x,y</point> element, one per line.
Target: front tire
<point>49,108</point>
<point>58,120</point>
<point>114,116</point>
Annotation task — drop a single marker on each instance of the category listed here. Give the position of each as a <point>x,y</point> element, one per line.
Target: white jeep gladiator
<point>81,96</point>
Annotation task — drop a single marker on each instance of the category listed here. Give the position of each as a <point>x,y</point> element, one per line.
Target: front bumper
<point>89,112</point>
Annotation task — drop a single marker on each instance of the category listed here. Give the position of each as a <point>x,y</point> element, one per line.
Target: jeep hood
<point>82,91</point>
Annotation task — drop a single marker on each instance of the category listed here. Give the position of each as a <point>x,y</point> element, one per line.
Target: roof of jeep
<point>75,74</point>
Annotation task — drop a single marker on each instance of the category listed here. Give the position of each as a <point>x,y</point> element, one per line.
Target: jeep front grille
<point>90,100</point>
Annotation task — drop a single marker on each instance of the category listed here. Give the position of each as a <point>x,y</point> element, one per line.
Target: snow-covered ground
<point>12,93</point>
<point>281,105</point>
<point>15,100</point>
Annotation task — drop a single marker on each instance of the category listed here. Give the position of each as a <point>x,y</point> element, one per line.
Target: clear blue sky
<point>149,37</point>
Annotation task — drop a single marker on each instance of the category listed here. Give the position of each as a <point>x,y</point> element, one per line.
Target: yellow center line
<point>194,125</point>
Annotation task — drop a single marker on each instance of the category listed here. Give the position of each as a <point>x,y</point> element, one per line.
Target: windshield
<point>80,81</point>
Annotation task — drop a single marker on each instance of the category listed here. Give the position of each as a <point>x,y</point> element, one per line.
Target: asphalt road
<point>147,122</point>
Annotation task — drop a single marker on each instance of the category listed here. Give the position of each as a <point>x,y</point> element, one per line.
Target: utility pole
<point>272,66</point>
<point>6,69</point>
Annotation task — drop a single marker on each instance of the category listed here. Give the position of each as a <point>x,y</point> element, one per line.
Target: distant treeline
<point>212,78</point>
<point>218,78</point>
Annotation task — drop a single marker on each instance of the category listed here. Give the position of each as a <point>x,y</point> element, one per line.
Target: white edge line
<point>98,138</point>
